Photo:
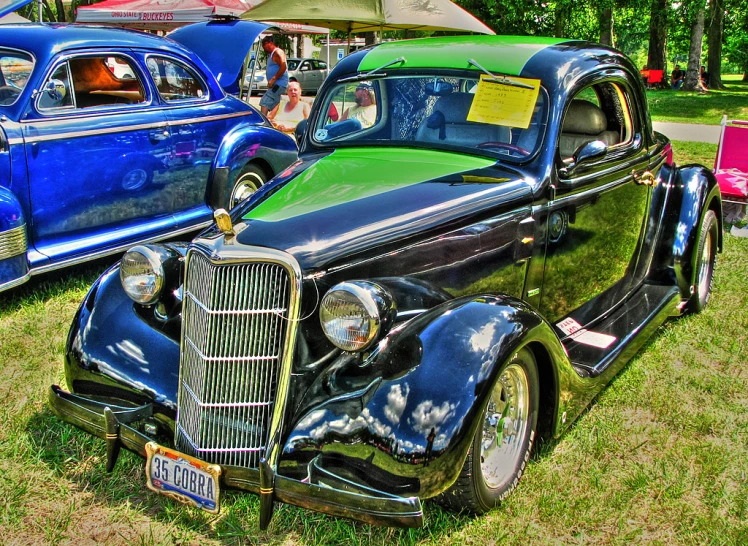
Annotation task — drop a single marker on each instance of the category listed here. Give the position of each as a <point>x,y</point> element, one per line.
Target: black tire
<point>477,490</point>
<point>251,179</point>
<point>706,252</point>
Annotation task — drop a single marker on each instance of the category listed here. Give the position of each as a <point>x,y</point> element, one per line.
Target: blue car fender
<point>404,418</point>
<point>14,267</point>
<point>270,150</point>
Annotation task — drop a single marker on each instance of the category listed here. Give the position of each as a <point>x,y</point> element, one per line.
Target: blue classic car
<point>109,137</point>
<point>451,272</point>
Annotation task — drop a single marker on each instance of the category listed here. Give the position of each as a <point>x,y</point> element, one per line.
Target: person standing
<point>276,73</point>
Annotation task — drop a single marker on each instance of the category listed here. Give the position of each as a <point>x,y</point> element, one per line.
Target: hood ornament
<point>223,221</point>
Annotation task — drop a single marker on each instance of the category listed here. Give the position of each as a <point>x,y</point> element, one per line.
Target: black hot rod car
<point>479,233</point>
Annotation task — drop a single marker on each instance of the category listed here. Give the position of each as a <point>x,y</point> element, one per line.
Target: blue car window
<point>57,91</point>
<point>174,80</point>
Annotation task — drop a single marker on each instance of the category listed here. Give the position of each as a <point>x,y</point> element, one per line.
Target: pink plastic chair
<point>731,168</point>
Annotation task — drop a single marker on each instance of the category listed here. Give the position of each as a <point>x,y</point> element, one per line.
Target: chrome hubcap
<point>245,186</point>
<point>134,179</point>
<point>505,426</point>
<point>706,268</point>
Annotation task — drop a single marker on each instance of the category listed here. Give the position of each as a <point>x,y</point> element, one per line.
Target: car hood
<point>222,45</point>
<point>357,199</point>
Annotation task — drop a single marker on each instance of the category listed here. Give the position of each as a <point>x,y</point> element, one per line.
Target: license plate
<point>254,86</point>
<point>182,477</point>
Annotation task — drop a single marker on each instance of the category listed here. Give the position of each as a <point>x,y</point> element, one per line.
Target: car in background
<point>450,273</point>
<point>109,137</point>
<point>310,73</point>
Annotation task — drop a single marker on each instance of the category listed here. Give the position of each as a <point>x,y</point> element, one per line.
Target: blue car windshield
<point>15,69</point>
<point>463,114</point>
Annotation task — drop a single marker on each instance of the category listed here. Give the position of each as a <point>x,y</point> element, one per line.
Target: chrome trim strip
<point>591,191</point>
<point>122,129</point>
<point>16,282</point>
<point>13,242</point>
<point>120,248</point>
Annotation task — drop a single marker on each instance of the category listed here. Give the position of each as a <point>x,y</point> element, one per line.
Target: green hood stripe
<point>349,174</point>
<point>504,54</point>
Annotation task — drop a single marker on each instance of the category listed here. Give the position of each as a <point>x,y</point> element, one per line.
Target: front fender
<point>14,267</point>
<point>113,351</point>
<point>403,419</point>
<point>272,150</point>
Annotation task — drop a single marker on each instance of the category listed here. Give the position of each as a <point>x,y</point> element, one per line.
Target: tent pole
<point>40,11</point>
<point>328,49</point>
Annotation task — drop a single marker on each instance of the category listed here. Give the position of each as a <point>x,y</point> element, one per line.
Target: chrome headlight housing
<point>142,273</point>
<point>355,314</point>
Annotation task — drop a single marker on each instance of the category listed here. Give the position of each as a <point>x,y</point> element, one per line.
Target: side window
<point>304,66</point>
<point>321,65</point>
<point>56,91</point>
<point>599,112</point>
<point>174,80</point>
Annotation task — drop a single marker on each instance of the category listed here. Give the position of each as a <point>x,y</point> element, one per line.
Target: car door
<point>321,70</point>
<point>94,143</point>
<point>306,76</point>
<point>198,122</point>
<point>597,216</point>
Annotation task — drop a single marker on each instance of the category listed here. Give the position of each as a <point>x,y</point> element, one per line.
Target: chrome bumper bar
<point>111,423</point>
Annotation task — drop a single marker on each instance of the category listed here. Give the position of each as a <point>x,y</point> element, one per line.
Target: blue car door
<point>95,142</point>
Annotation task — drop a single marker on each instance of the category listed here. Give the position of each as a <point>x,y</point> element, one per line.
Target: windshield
<point>15,69</point>
<point>464,114</point>
<point>293,64</point>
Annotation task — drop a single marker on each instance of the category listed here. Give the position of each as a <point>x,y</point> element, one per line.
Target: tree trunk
<point>50,15</point>
<point>692,81</point>
<point>370,38</point>
<point>656,56</point>
<point>714,43</point>
<point>606,26</point>
<point>60,11</point>
<point>299,45</point>
<point>561,16</point>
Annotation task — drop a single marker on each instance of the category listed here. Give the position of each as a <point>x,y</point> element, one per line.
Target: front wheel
<point>706,252</point>
<point>249,181</point>
<point>503,442</point>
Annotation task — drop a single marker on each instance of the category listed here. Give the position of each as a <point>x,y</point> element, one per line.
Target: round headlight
<point>353,313</point>
<point>142,274</point>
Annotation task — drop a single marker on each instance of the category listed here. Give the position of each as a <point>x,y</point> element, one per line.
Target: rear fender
<point>271,150</point>
<point>693,190</point>
<point>403,419</point>
<point>14,266</point>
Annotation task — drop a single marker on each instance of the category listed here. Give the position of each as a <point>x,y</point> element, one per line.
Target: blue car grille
<point>235,320</point>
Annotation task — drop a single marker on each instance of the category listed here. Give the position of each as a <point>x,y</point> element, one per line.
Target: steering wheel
<point>8,92</point>
<point>504,146</point>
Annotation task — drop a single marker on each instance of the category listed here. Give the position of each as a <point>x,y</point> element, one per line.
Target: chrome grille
<point>236,317</point>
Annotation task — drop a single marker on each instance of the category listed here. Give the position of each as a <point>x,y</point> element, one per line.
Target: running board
<point>626,330</point>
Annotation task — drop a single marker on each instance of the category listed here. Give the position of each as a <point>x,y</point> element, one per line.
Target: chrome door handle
<point>644,179</point>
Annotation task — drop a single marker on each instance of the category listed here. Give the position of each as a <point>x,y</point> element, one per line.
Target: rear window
<point>15,70</point>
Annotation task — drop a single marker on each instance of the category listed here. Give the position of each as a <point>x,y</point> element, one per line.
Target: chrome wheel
<point>505,427</point>
<point>705,269</point>
<point>135,179</point>
<point>248,183</point>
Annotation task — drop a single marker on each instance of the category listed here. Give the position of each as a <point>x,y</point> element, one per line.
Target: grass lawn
<point>707,108</point>
<point>661,457</point>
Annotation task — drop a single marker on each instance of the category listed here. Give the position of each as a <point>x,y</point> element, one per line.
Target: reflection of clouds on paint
<point>345,426</point>
<point>440,442</point>
<point>311,419</point>
<point>484,341</point>
<point>680,233</point>
<point>427,416</point>
<point>396,401</point>
<point>410,446</point>
<point>481,340</point>
<point>131,351</point>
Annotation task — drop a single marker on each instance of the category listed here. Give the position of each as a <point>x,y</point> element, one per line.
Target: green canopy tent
<point>353,16</point>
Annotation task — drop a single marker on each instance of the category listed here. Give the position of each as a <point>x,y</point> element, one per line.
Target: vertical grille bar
<point>236,318</point>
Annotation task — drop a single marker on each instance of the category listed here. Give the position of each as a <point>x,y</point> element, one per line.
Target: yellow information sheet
<point>501,104</point>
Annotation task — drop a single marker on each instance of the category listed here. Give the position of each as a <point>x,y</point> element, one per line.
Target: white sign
<point>341,53</point>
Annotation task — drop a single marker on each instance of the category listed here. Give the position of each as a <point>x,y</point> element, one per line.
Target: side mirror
<point>300,128</point>
<point>55,89</point>
<point>583,155</point>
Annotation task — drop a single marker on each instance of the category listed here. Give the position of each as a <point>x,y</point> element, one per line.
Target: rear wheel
<point>249,181</point>
<point>707,257</point>
<point>503,442</point>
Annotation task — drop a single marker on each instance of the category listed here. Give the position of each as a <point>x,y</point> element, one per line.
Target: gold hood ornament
<point>223,221</point>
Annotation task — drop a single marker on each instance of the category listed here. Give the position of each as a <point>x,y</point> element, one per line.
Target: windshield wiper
<point>501,78</point>
<point>373,73</point>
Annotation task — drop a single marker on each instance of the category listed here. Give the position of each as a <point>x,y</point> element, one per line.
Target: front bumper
<point>337,496</point>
